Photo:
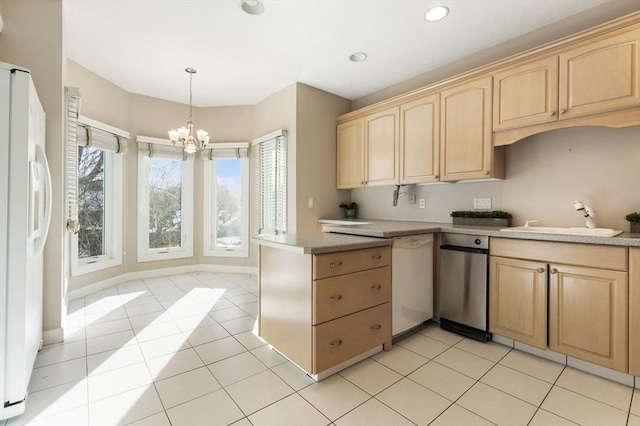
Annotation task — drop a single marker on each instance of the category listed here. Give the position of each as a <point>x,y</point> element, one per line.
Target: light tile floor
<point>183,350</point>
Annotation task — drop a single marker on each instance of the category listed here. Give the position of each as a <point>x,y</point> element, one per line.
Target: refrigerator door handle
<point>43,213</point>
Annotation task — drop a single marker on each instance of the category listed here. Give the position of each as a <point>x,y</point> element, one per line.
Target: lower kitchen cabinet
<point>537,286</point>
<point>634,311</point>
<point>518,300</point>
<point>320,310</point>
<point>588,314</point>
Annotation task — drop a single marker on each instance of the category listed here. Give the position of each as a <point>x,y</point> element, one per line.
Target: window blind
<point>226,150</point>
<point>271,165</point>
<point>72,103</point>
<point>98,135</point>
<point>161,148</point>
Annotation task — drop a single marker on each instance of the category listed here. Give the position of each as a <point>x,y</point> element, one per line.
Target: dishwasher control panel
<point>465,240</point>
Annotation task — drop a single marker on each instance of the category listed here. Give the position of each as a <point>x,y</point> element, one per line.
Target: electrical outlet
<point>412,198</point>
<point>310,202</point>
<point>423,203</point>
<point>482,203</point>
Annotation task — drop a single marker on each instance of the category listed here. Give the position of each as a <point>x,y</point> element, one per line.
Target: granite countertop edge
<point>321,242</point>
<point>391,229</point>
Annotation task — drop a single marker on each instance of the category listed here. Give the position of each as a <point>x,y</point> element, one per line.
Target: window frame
<point>209,197</point>
<point>145,253</point>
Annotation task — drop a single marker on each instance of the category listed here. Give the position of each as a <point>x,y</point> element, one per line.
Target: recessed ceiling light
<point>358,57</point>
<point>252,7</point>
<point>436,13</point>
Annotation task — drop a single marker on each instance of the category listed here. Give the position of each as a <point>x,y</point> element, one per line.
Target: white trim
<point>272,135</point>
<point>129,276</point>
<point>158,141</point>
<point>145,254</point>
<point>228,145</point>
<point>51,337</point>
<point>104,127</point>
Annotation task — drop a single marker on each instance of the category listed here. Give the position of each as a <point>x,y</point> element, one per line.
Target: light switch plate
<point>423,203</point>
<point>482,203</point>
<point>412,198</point>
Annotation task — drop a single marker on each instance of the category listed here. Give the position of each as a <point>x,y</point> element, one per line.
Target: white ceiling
<point>144,46</point>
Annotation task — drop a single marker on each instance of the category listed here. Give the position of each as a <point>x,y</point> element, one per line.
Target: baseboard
<point>50,337</point>
<point>138,275</point>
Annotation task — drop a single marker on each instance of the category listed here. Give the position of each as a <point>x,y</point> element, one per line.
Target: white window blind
<point>98,135</point>
<point>161,148</point>
<point>72,101</point>
<point>271,172</point>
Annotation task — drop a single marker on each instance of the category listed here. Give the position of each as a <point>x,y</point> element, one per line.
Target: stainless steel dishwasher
<point>464,285</point>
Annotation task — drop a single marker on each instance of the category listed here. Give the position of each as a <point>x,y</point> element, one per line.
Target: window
<point>98,190</point>
<point>271,164</point>
<point>165,201</point>
<point>226,200</point>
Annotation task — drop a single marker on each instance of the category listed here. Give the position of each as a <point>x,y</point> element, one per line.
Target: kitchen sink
<point>590,232</point>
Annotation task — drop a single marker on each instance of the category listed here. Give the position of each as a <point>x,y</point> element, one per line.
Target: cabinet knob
<point>335,298</point>
<point>436,177</point>
<point>376,327</point>
<point>563,110</point>
<point>335,264</point>
<point>376,287</point>
<point>552,113</point>
<point>541,270</point>
<point>554,271</point>
<point>376,257</point>
<point>335,343</point>
<point>486,172</point>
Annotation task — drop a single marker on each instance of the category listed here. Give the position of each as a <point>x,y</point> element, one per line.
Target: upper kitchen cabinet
<point>351,149</point>
<point>525,95</point>
<point>367,152</point>
<point>602,75</point>
<point>465,132</point>
<point>420,140</point>
<point>382,135</point>
<point>634,311</point>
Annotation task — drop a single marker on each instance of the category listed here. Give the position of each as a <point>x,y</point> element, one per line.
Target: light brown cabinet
<point>367,150</point>
<point>588,314</point>
<point>420,140</point>
<point>596,76</point>
<point>465,132</point>
<point>634,311</point>
<point>324,309</point>
<point>518,300</point>
<point>579,290</point>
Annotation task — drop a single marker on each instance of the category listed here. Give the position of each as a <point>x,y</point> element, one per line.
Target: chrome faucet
<point>588,213</point>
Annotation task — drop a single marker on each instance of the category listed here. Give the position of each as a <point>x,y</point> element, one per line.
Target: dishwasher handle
<point>464,249</point>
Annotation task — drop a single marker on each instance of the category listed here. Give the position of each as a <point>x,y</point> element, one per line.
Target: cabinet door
<point>518,300</point>
<point>350,154</point>
<point>466,131</point>
<point>382,135</point>
<point>588,314</point>
<point>634,311</point>
<point>420,140</point>
<point>526,95</point>
<point>601,76</point>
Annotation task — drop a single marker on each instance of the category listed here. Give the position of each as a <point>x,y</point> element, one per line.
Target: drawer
<point>345,262</point>
<point>343,338</point>
<point>345,294</point>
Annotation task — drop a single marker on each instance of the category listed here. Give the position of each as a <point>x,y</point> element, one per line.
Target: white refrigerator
<point>25,213</point>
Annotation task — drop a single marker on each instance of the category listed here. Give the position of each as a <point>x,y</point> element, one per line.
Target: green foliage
<point>633,217</point>
<point>351,206</point>
<point>488,214</point>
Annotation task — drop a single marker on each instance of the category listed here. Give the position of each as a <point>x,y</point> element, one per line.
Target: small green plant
<point>633,217</point>
<point>351,206</point>
<point>490,214</point>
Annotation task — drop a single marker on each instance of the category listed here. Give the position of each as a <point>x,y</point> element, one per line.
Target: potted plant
<point>350,209</point>
<point>483,217</point>
<point>634,222</point>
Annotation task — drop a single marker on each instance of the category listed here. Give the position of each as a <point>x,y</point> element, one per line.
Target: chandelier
<point>189,142</point>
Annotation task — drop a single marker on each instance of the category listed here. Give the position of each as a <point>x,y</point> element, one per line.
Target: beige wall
<point>33,37</point>
<point>545,174</point>
<point>316,156</point>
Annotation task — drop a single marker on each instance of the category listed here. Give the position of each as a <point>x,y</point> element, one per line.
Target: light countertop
<point>393,228</point>
<point>321,242</point>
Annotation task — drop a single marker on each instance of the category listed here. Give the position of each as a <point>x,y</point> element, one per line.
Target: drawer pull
<point>540,270</point>
<point>335,264</point>
<point>376,287</point>
<point>334,298</point>
<point>376,327</point>
<point>554,271</point>
<point>335,343</point>
<point>376,257</point>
